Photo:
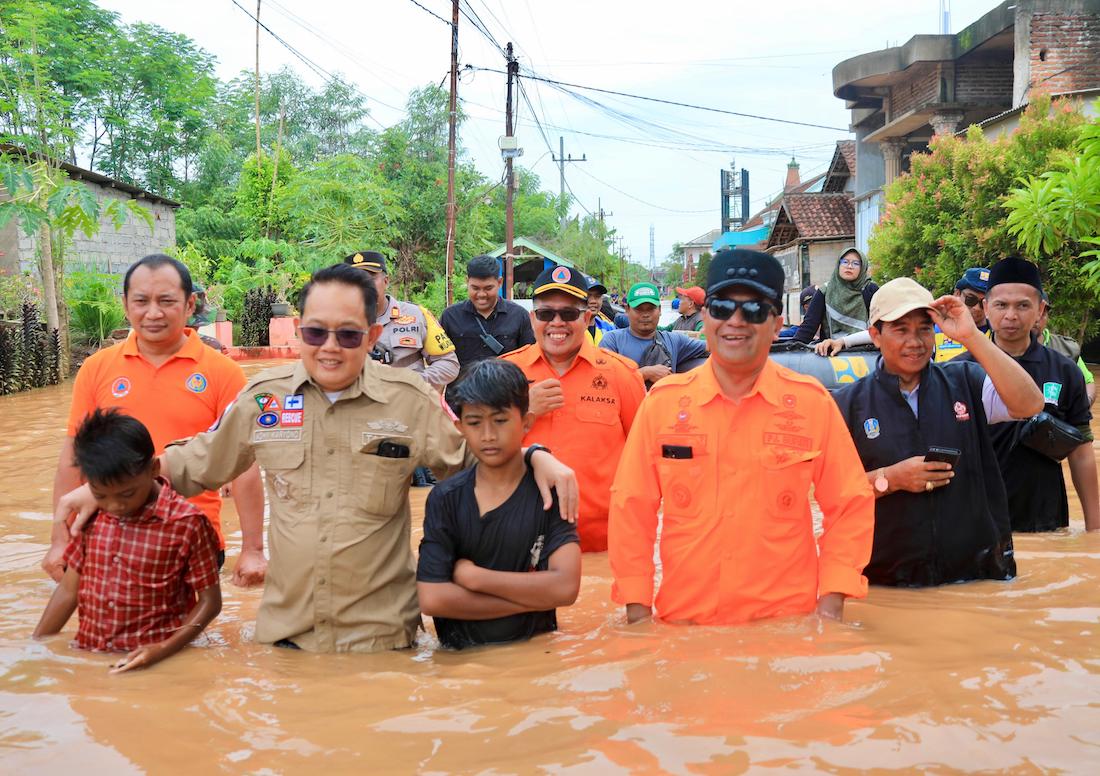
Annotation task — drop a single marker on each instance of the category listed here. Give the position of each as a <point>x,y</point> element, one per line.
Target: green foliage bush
<point>948,212</point>
<point>95,306</point>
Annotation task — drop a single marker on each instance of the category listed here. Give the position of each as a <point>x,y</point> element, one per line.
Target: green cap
<point>643,293</point>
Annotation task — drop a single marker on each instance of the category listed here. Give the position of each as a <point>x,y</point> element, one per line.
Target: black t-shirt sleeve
<point>815,313</point>
<point>438,547</point>
<point>1076,406</point>
<point>526,332</point>
<point>558,532</point>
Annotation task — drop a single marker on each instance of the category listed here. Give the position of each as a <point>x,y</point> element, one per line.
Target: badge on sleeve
<point>870,428</point>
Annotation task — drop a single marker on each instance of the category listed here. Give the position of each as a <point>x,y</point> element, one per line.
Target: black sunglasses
<point>752,310</point>
<point>970,300</point>
<point>567,314</point>
<point>315,336</point>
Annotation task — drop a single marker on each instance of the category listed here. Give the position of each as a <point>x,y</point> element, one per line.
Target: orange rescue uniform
<point>182,397</point>
<point>602,392</point>
<point>737,537</point>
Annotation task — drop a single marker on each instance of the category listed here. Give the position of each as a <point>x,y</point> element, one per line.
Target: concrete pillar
<point>946,122</point>
<point>891,154</point>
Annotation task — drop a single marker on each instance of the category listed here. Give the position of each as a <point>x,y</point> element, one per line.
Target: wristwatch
<point>881,483</point>
<point>531,450</point>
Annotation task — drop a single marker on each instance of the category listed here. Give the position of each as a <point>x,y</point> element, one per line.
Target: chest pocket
<point>286,471</point>
<point>381,483</point>
<point>683,487</point>
<point>785,477</point>
<point>602,413</point>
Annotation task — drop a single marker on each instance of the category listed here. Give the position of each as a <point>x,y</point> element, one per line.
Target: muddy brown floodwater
<point>986,676</point>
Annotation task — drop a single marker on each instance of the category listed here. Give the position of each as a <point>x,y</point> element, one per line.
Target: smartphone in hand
<point>943,455</point>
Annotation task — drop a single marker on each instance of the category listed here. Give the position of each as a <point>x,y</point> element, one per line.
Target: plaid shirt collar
<point>163,508</point>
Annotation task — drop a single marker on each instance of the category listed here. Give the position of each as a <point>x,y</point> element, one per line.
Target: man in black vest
<point>934,522</point>
<point>1036,489</point>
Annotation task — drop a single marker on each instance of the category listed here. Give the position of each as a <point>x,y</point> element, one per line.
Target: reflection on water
<point>984,676</point>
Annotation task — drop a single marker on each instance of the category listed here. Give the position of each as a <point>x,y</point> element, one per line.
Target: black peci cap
<point>570,281</point>
<point>371,261</point>
<point>1015,270</point>
<point>751,269</point>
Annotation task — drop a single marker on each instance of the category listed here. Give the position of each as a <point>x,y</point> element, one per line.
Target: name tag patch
<point>277,435</point>
<point>1051,392</point>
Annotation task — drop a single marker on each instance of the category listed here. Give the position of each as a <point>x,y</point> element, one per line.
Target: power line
<point>636,199</point>
<point>532,76</point>
<point>317,69</point>
<point>429,10</point>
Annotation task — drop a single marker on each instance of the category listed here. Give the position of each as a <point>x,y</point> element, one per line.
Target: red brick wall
<point>921,88</point>
<point>984,83</point>
<point>1065,52</point>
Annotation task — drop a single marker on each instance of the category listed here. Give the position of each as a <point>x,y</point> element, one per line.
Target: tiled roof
<point>814,217</point>
<point>842,167</point>
<point>758,218</point>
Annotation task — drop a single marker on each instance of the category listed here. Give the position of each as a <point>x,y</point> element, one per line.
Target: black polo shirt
<point>1036,489</point>
<point>955,532</point>
<point>508,322</point>
<point>517,536</point>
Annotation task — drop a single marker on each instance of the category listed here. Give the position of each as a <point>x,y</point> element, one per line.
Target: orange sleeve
<point>630,396</point>
<point>632,522</point>
<point>848,506</point>
<point>83,397</point>
<point>231,382</point>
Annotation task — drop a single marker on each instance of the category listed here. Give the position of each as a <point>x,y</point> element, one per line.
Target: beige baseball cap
<point>897,298</point>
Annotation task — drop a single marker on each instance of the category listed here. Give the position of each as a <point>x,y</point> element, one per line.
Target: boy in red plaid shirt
<point>144,573</point>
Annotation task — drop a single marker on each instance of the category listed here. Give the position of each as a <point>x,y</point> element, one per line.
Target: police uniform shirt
<point>342,575</point>
<point>1036,489</point>
<point>509,323</point>
<point>415,340</point>
<point>955,532</point>
<point>517,536</point>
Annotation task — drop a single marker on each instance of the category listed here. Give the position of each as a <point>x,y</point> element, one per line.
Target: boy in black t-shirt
<point>493,564</point>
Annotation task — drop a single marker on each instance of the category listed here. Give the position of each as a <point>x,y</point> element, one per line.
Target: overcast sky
<point>650,164</point>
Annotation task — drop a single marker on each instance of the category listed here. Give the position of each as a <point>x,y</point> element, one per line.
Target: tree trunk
<point>65,357</point>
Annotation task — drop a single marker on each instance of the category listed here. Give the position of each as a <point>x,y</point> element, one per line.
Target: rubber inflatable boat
<point>833,372</point>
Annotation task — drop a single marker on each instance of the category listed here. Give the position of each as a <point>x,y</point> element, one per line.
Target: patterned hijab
<point>845,310</point>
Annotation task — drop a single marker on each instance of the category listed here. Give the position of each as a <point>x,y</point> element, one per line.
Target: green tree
<point>948,212</point>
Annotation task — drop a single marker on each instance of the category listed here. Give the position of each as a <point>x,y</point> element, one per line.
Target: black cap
<point>1015,270</point>
<point>371,261</point>
<point>570,281</point>
<point>806,295</point>
<point>751,269</point>
<point>595,285</point>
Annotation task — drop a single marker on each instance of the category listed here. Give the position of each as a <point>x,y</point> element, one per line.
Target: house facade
<point>901,97</point>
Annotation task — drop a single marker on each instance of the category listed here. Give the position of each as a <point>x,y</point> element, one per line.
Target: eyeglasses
<point>752,310</point>
<point>856,263</point>
<point>567,314</point>
<point>971,301</point>
<point>315,336</point>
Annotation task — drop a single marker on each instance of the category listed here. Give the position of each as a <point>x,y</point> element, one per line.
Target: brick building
<point>939,84</point>
<point>110,250</point>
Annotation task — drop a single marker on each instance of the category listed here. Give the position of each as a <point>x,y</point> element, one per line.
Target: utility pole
<point>600,212</point>
<point>259,151</point>
<point>509,212</point>
<point>622,268</point>
<point>561,160</point>
<point>451,121</point>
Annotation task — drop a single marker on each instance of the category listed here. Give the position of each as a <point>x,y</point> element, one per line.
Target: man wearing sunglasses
<point>338,436</point>
<point>727,453</point>
<point>582,398</point>
<point>971,289</point>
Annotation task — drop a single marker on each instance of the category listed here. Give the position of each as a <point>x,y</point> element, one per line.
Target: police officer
<point>936,521</point>
<point>411,336</point>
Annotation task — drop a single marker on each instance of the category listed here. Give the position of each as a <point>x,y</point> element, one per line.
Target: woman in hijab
<point>841,307</point>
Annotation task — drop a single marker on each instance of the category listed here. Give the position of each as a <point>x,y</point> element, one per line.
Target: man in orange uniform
<point>583,399</point>
<point>731,450</point>
<point>166,377</point>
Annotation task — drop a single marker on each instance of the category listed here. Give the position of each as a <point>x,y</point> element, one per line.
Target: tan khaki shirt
<point>341,575</point>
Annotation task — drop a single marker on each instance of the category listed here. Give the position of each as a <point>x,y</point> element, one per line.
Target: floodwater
<point>985,676</point>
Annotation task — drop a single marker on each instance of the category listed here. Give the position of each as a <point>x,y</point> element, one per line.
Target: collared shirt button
<point>110,604</point>
<point>117,559</point>
<point>330,451</point>
<point>329,494</point>
<point>321,581</point>
<point>324,537</point>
